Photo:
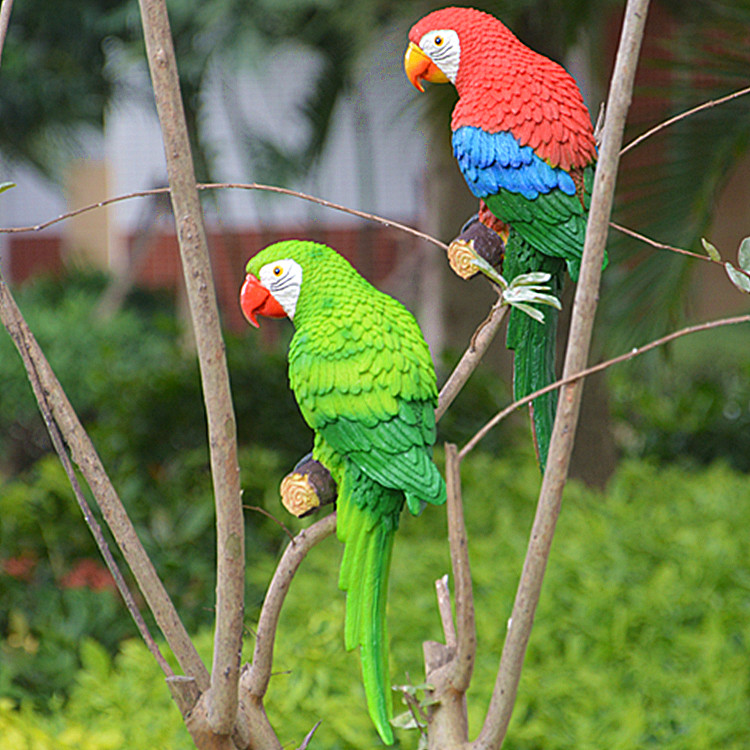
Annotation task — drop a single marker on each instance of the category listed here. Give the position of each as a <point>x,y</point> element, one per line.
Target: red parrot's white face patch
<point>444,49</point>
<point>283,278</point>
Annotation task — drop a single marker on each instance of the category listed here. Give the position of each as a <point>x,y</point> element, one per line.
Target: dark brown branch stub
<point>475,239</point>
<point>308,487</point>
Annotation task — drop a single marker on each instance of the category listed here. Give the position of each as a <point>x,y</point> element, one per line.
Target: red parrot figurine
<point>525,145</point>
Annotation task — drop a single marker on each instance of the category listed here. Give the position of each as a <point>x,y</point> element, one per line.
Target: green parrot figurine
<point>365,383</point>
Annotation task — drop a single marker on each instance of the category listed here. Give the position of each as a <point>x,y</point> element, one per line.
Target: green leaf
<point>6,186</point>
<point>489,271</point>
<point>739,279</point>
<point>711,250</point>
<point>532,312</point>
<point>405,720</point>
<point>531,278</point>
<point>743,254</point>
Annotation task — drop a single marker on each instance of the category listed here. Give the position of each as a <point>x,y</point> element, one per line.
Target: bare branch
<point>471,358</point>
<point>232,186</point>
<point>255,678</point>
<point>308,737</point>
<point>83,453</point>
<point>563,434</point>
<point>466,643</point>
<point>5,8</point>
<point>446,612</point>
<point>21,336</point>
<point>687,113</point>
<point>658,245</point>
<point>230,530</point>
<point>634,352</point>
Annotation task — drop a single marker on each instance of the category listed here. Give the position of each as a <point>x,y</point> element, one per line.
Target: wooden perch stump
<point>308,487</point>
<point>475,239</point>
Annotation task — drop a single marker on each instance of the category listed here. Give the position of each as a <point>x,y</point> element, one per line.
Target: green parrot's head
<point>273,283</point>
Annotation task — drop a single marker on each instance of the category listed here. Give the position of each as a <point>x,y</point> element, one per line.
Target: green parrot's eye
<point>277,270</point>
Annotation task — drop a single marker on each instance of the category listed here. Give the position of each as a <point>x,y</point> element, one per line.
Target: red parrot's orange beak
<point>255,299</point>
<point>420,68</point>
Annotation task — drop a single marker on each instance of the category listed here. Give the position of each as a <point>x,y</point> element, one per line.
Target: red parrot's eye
<point>438,41</point>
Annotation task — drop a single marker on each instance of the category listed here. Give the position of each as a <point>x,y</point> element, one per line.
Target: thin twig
<point>446,612</point>
<point>682,116</point>
<point>255,678</point>
<point>561,446</point>
<point>328,204</point>
<point>20,336</point>
<point>222,433</point>
<point>5,8</point>
<point>659,245</point>
<point>635,352</point>
<point>264,512</point>
<point>309,736</point>
<point>471,358</point>
<point>231,186</point>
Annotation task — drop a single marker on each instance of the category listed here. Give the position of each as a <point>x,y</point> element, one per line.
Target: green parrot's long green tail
<point>368,539</point>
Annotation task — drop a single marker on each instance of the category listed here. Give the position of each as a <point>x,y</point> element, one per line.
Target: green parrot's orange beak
<point>255,299</point>
<point>419,67</point>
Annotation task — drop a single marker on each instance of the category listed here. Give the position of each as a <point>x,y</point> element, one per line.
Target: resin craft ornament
<point>365,383</point>
<point>525,145</point>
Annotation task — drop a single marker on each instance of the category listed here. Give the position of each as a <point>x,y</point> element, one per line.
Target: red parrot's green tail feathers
<point>533,347</point>
<point>534,343</point>
<point>364,576</point>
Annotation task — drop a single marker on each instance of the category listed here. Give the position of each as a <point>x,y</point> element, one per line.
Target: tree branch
<point>54,405</point>
<point>634,352</point>
<point>471,358</point>
<point>25,344</point>
<point>5,8</point>
<point>256,676</point>
<point>561,446</point>
<point>466,636</point>
<point>231,186</point>
<point>222,432</point>
<point>659,245</point>
<point>687,113</point>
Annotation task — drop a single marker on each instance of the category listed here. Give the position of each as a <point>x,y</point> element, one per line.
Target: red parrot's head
<point>272,286</point>
<point>437,42</point>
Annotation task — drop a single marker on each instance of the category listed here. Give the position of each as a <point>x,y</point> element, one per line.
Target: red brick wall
<point>33,254</point>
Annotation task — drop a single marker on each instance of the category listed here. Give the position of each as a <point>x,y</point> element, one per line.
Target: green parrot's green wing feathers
<point>371,393</point>
<point>395,453</point>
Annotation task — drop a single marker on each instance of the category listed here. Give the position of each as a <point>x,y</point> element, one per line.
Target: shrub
<point>640,640</point>
<point>691,405</point>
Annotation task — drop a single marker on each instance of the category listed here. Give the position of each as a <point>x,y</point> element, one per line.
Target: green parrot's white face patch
<point>444,49</point>
<point>283,278</point>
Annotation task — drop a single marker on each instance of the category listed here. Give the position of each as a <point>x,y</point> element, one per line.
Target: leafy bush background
<point>640,641</point>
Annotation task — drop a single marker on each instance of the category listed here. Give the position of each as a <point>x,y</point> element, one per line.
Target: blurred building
<point>374,161</point>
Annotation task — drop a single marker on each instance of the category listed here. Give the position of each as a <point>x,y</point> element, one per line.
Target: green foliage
<point>114,703</point>
<point>138,394</point>
<point>53,77</point>
<point>641,635</point>
<point>690,405</point>
<point>640,640</point>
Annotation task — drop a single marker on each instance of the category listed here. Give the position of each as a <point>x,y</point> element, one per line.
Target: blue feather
<point>490,161</point>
